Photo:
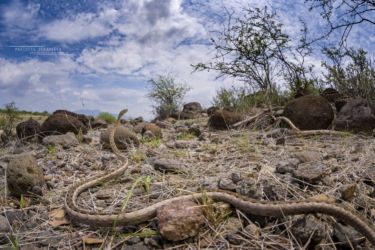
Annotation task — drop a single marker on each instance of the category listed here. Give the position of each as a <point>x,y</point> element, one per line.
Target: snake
<point>242,203</point>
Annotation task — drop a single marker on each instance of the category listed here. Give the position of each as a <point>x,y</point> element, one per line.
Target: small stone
<point>104,194</point>
<point>133,240</point>
<point>307,156</point>
<point>227,184</point>
<point>348,192</point>
<point>309,228</point>
<point>236,177</point>
<point>311,172</point>
<point>66,141</point>
<point>344,233</point>
<point>252,230</point>
<point>138,246</point>
<point>169,165</point>
<point>4,229</point>
<point>180,220</point>
<point>153,242</point>
<point>286,166</point>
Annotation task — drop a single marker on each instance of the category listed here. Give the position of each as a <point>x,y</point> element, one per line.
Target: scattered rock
<point>83,118</point>
<point>169,165</point>
<point>331,94</point>
<point>222,119</point>
<point>4,229</point>
<point>61,124</point>
<point>180,220</point>
<point>138,246</point>
<point>287,166</point>
<point>307,156</point>
<point>153,128</point>
<point>24,176</point>
<point>191,110</point>
<point>28,129</point>
<point>347,236</point>
<point>227,184</point>
<point>123,138</point>
<point>311,172</point>
<point>66,141</point>
<point>99,123</point>
<point>358,115</point>
<point>309,228</point>
<point>309,112</point>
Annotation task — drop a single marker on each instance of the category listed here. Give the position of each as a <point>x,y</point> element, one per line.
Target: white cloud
<point>81,27</point>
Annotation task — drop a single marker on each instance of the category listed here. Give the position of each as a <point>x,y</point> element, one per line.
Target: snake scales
<point>244,204</point>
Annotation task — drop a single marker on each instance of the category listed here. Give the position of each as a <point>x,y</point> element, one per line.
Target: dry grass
<point>222,154</point>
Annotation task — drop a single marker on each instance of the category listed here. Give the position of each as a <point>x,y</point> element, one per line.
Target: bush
<point>168,94</point>
<point>357,78</point>
<point>107,117</point>
<point>9,118</point>
<point>242,99</point>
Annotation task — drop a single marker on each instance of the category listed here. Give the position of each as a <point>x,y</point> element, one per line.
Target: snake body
<point>244,204</point>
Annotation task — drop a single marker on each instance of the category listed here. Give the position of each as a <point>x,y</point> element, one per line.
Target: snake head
<point>122,112</point>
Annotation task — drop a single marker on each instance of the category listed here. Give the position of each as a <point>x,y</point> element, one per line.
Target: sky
<point>100,54</point>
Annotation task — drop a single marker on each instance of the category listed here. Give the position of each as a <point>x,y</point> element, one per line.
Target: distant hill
<point>93,112</point>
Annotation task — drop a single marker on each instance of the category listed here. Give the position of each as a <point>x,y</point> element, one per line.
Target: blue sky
<point>99,55</point>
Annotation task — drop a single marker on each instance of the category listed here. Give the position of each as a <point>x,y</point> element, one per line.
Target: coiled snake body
<point>244,204</point>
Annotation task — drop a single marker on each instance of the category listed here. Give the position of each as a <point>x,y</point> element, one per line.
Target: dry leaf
<point>91,240</point>
<point>58,222</point>
<point>57,218</point>
<point>57,213</point>
<point>322,198</point>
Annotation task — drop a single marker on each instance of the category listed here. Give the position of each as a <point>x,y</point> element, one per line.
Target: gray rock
<point>138,246</point>
<point>227,184</point>
<point>4,229</point>
<point>180,220</point>
<point>307,156</point>
<point>169,165</point>
<point>343,233</point>
<point>66,141</point>
<point>311,172</point>
<point>310,228</point>
<point>287,166</point>
<point>24,175</point>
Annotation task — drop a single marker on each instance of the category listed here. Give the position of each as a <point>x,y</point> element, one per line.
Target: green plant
<point>186,136</point>
<point>14,241</point>
<point>138,156</point>
<point>352,73</point>
<point>22,202</point>
<point>52,149</point>
<point>168,94</point>
<point>151,142</point>
<point>107,117</point>
<point>9,118</point>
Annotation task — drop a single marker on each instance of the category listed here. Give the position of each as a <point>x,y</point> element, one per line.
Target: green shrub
<point>107,117</point>
<point>9,118</point>
<point>242,99</point>
<point>168,94</point>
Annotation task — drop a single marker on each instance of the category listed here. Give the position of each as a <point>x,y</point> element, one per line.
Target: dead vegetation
<point>242,160</point>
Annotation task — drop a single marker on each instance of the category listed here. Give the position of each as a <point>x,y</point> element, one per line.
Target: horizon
<point>99,55</point>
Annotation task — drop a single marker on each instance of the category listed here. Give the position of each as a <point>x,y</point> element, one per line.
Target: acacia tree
<point>343,15</point>
<point>351,72</point>
<point>168,94</point>
<point>254,49</point>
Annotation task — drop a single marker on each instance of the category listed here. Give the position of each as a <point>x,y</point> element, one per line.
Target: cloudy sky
<point>99,54</point>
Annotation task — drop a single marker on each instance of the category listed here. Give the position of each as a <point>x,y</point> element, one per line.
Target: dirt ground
<point>244,161</point>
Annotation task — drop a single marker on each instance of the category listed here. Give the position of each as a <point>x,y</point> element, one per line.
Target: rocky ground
<point>244,161</point>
